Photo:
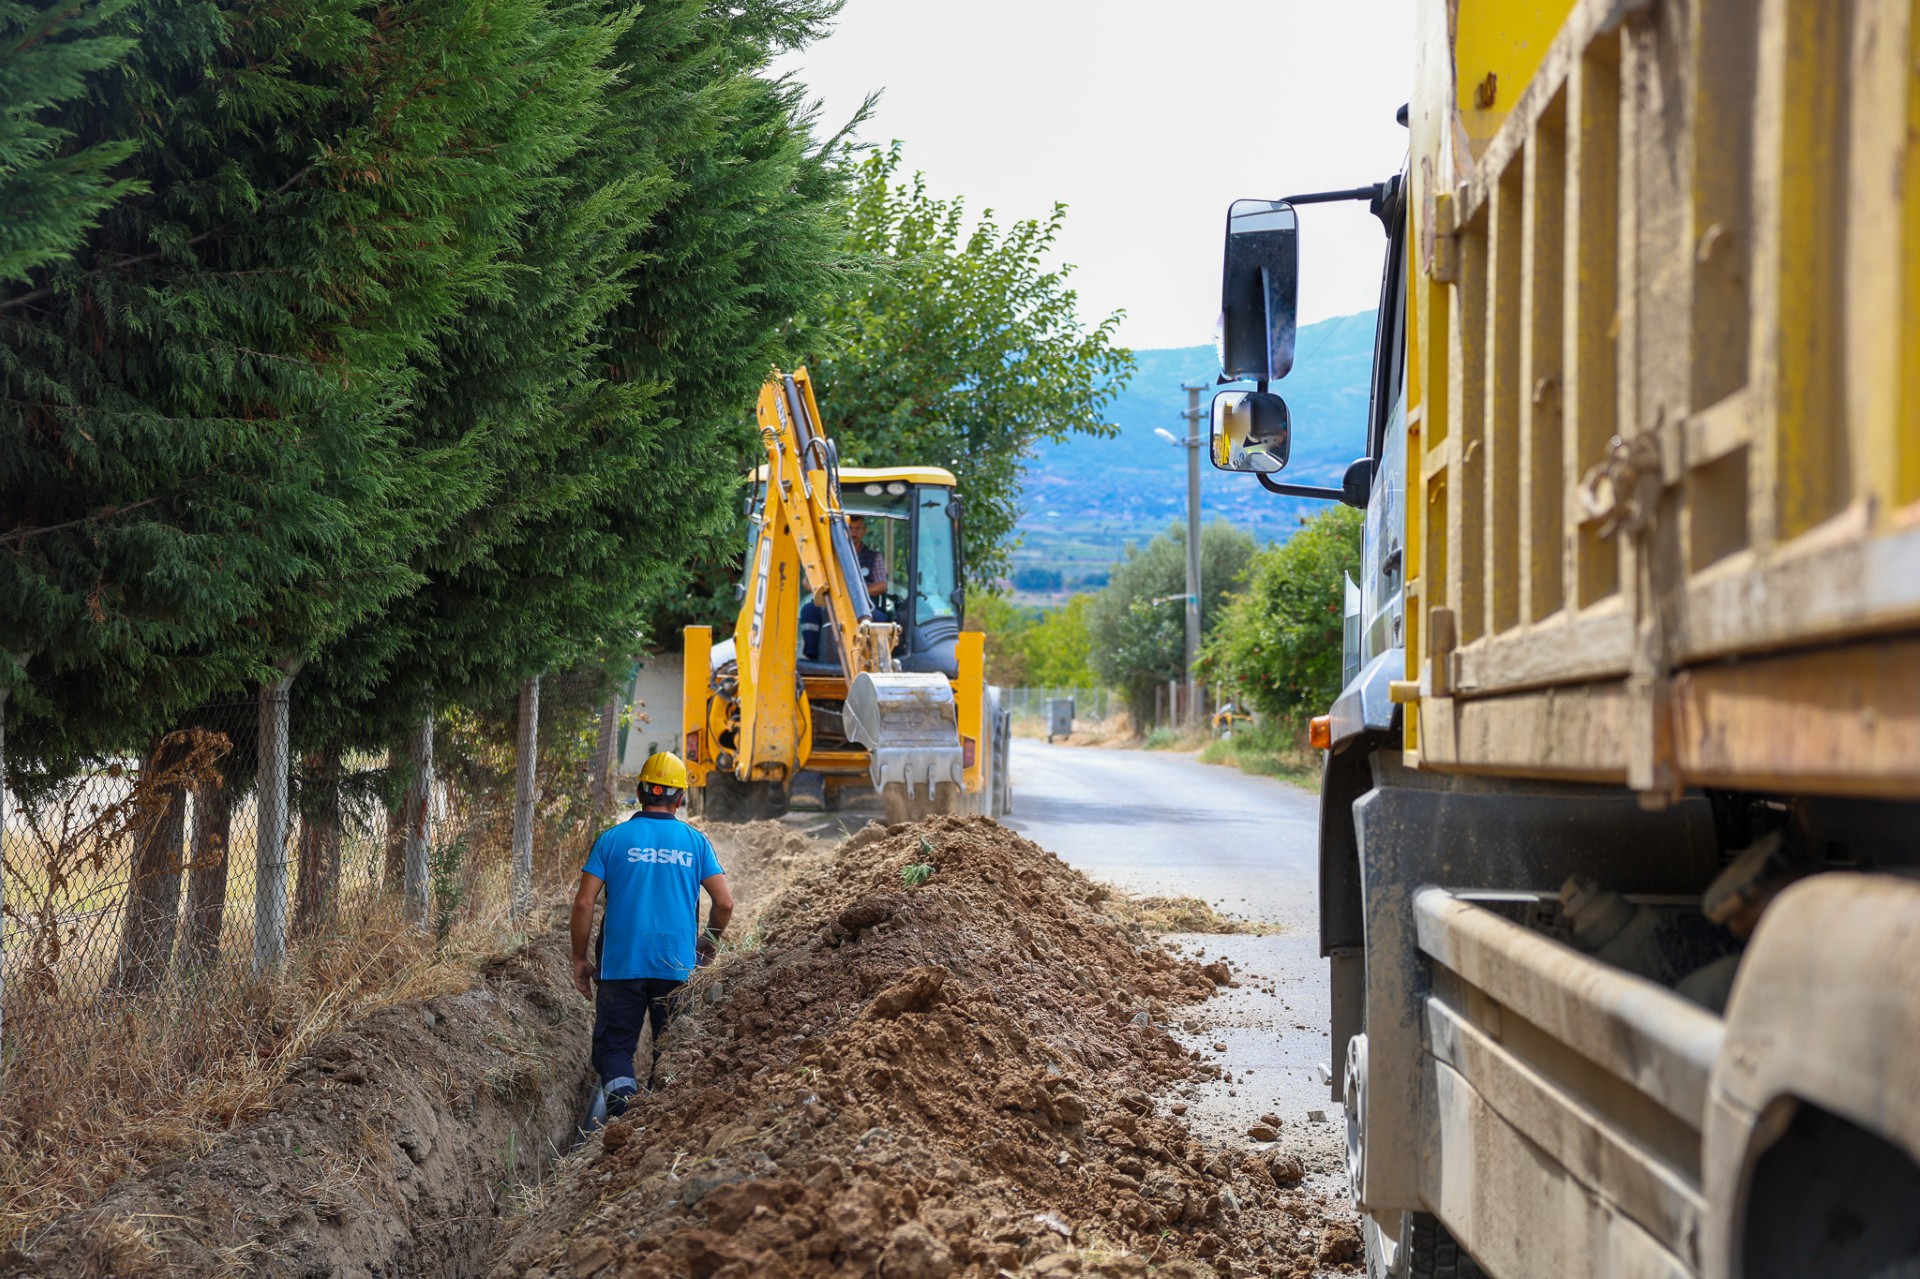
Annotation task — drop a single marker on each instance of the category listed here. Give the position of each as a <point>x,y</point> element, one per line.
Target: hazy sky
<point>1146,119</point>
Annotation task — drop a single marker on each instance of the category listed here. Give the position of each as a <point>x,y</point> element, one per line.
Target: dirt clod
<point>1264,1132</point>
<point>974,1095</point>
<point>1339,1244</point>
<point>1286,1168</point>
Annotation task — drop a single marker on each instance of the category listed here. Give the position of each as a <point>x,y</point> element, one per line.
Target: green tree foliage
<point>410,345</point>
<point>960,349</point>
<point>1035,648</point>
<point>203,464</point>
<point>606,402</point>
<point>1138,644</point>
<point>1278,643</point>
<point>1060,647</point>
<point>1006,625</point>
<point>50,192</point>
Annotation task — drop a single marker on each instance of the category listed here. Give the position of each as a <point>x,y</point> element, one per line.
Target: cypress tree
<point>50,191</point>
<point>608,393</point>
<point>202,463</point>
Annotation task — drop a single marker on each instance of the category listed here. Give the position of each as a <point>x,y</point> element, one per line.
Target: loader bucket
<point>910,727</point>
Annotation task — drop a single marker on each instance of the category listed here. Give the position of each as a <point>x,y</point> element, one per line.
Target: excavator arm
<point>908,722</point>
<point>803,481</point>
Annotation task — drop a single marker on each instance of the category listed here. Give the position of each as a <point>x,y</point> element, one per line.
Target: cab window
<point>933,581</point>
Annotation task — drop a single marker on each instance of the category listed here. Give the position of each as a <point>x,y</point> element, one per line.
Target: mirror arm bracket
<point>1300,490</point>
<point>1373,192</point>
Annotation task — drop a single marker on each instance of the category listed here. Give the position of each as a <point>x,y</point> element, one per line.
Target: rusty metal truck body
<point>1620,829</point>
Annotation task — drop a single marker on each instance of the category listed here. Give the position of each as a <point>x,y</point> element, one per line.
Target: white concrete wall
<point>655,712</point>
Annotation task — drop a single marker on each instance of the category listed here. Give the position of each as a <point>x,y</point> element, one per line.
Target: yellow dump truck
<point>1620,848</point>
<point>847,669</point>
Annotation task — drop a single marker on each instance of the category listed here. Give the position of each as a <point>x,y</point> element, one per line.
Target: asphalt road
<point>1156,823</point>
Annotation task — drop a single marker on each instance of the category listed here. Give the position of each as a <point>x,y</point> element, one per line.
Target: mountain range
<point>1086,499</point>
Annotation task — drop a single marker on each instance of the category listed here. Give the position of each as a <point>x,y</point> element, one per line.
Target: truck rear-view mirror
<point>1259,290</point>
<point>1252,431</point>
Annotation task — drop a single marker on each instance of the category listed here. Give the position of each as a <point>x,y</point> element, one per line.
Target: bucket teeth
<point>910,727</point>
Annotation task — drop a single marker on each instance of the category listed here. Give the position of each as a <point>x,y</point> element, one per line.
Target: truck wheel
<point>1412,1245</point>
<point>1399,1245</point>
<point>723,799</point>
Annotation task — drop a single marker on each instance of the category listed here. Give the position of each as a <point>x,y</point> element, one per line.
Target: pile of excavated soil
<point>761,858</point>
<point>925,1078</point>
<point>390,1150</point>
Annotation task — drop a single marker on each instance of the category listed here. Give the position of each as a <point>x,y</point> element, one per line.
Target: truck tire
<point>1413,1245</point>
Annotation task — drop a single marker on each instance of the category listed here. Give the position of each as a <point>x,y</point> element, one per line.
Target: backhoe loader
<point>847,665</point>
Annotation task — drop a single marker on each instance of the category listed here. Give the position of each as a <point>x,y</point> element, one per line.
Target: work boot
<point>620,1094</point>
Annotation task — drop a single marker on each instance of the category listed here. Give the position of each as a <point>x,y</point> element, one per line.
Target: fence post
<point>526,755</point>
<point>419,811</point>
<point>600,788</point>
<point>207,868</point>
<point>270,841</point>
<point>4,691</point>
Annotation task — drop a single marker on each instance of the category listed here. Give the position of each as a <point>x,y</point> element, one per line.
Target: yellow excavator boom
<point>749,715</point>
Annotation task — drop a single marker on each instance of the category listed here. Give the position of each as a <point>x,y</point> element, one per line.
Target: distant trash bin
<point>1059,717</point>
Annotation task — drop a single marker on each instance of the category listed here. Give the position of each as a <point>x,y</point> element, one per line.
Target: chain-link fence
<point>144,871</point>
<point>1093,704</point>
<point>152,877</point>
<point>180,920</point>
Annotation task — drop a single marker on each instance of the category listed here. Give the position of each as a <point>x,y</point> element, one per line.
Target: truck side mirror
<point>1356,486</point>
<point>1259,290</point>
<point>1252,431</point>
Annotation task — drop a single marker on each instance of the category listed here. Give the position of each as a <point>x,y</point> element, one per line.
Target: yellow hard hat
<point>664,768</point>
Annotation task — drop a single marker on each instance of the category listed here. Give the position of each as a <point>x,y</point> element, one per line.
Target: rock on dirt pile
<point>918,1082</point>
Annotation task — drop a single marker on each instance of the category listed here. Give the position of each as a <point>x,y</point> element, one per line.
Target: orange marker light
<point>1320,732</point>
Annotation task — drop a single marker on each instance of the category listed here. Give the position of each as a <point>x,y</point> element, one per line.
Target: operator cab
<point>912,518</point>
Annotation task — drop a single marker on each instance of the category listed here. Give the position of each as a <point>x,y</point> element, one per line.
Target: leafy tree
<point>1006,625</point>
<point>1035,648</point>
<point>1279,640</point>
<point>411,345</point>
<point>958,349</point>
<point>1138,644</point>
<point>1059,646</point>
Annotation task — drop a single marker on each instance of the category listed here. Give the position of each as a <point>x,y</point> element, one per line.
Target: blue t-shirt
<point>652,864</point>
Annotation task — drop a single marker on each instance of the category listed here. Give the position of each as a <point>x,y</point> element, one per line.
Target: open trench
<point>943,1080</point>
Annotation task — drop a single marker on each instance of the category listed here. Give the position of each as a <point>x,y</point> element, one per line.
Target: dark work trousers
<point>619,1012</point>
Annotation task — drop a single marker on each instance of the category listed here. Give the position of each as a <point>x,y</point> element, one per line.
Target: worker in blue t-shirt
<point>653,867</point>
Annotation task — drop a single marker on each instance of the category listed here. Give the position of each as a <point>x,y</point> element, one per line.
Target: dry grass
<point>97,1093</point>
<point>1176,915</point>
<point>1115,730</point>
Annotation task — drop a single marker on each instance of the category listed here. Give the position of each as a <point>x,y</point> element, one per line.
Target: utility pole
<point>1194,445</point>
